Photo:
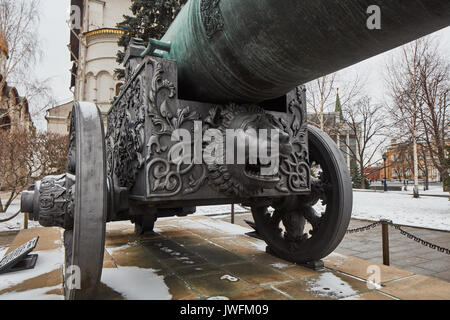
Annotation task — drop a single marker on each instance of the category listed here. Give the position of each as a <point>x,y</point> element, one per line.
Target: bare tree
<point>17,163</point>
<point>27,156</point>
<point>19,22</point>
<point>52,153</point>
<point>321,97</point>
<point>404,85</point>
<point>319,93</point>
<point>366,122</point>
<point>434,80</point>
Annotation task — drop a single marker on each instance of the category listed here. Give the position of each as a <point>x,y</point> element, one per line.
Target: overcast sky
<point>56,64</point>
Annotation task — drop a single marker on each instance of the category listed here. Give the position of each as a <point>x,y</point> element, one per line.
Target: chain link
<point>419,240</point>
<point>366,228</point>
<point>403,232</point>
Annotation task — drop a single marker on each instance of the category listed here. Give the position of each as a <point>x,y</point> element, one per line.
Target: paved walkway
<point>404,253</point>
<point>201,258</point>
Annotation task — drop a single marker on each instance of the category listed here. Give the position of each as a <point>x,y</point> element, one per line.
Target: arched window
<point>118,85</point>
<point>91,88</point>
<point>105,87</point>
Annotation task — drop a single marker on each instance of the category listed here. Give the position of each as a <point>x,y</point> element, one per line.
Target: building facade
<point>339,131</point>
<point>400,163</point>
<point>58,118</point>
<point>14,109</point>
<point>93,48</point>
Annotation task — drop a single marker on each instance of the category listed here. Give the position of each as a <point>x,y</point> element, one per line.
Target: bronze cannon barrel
<point>255,50</point>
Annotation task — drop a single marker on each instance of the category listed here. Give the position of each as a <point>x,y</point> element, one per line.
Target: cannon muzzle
<point>255,50</point>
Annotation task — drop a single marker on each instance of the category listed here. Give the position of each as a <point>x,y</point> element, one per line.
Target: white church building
<point>93,48</point>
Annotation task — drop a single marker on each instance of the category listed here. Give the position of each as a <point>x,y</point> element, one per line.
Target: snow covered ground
<point>48,261</point>
<point>402,208</point>
<point>222,209</point>
<point>16,223</point>
<point>433,190</point>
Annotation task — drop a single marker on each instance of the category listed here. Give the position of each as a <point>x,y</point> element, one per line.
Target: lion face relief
<point>259,143</point>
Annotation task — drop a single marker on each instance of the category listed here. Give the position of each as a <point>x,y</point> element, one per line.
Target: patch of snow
<point>357,297</point>
<point>433,190</point>
<point>220,209</point>
<point>218,298</point>
<point>330,285</point>
<point>2,252</point>
<point>34,294</point>
<point>125,223</point>
<point>427,212</point>
<point>259,244</point>
<point>47,261</point>
<point>338,255</point>
<point>223,216</point>
<point>226,227</point>
<point>111,250</point>
<point>229,278</point>
<point>135,283</point>
<point>280,265</point>
<point>177,255</point>
<point>16,223</point>
<point>373,285</point>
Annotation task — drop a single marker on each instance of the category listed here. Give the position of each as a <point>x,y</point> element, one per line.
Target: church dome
<point>3,44</point>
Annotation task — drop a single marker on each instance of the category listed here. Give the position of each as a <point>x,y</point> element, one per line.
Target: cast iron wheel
<point>295,231</point>
<point>84,245</point>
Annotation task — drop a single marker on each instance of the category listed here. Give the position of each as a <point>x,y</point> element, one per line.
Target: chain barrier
<point>419,240</point>
<point>403,232</point>
<point>10,218</point>
<point>366,228</point>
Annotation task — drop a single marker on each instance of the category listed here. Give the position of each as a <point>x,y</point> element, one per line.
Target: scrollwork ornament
<point>166,177</point>
<point>295,168</point>
<point>125,141</point>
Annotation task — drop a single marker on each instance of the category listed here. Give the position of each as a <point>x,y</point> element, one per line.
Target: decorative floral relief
<point>166,177</point>
<point>126,134</point>
<point>211,16</point>
<point>295,169</point>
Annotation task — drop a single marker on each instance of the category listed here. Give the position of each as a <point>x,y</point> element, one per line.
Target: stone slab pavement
<point>405,253</point>
<point>201,258</point>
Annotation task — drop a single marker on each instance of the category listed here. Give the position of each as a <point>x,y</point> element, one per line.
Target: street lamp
<point>385,176</point>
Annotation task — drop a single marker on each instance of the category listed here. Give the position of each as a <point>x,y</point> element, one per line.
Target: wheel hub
<point>51,201</point>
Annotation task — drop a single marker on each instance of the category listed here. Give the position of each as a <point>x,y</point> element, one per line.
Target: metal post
<point>232,213</point>
<point>25,220</point>
<point>385,175</point>
<point>385,236</point>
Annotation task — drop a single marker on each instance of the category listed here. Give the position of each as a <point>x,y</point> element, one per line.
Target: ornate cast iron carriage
<point>222,65</point>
